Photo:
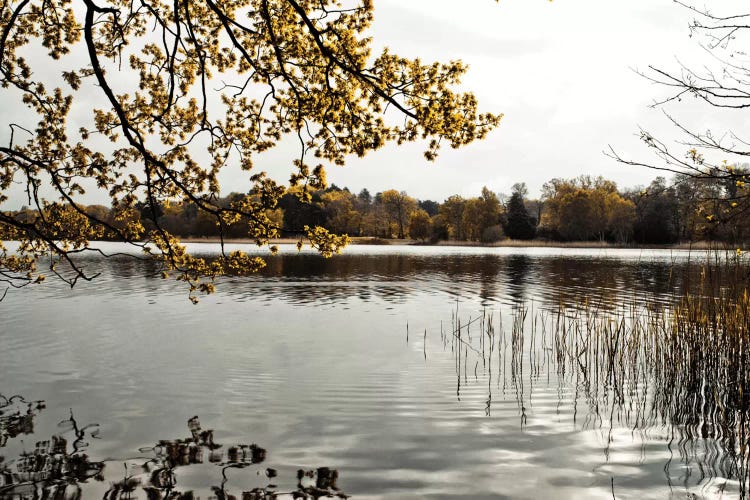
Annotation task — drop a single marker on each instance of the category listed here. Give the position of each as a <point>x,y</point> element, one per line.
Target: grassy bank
<point>368,240</point>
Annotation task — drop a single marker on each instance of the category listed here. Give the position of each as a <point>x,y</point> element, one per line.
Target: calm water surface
<point>340,368</point>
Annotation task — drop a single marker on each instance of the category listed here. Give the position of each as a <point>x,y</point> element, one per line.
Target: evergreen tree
<point>429,206</point>
<point>364,196</point>
<point>519,225</point>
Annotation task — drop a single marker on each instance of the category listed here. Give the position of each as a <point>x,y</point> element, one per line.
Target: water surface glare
<point>336,367</point>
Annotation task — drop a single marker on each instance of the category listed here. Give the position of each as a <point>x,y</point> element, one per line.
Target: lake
<point>386,372</point>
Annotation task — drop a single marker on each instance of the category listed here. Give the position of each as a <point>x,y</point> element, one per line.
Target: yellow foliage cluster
<point>287,68</point>
<point>586,208</point>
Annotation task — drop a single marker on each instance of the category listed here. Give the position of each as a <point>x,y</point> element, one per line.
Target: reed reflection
<point>681,372</point>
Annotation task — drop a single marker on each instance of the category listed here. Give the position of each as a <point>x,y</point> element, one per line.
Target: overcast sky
<point>562,72</point>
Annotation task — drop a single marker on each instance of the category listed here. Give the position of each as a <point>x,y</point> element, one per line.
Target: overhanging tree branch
<point>308,60</point>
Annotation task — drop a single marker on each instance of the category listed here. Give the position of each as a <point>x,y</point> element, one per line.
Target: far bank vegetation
<point>583,209</point>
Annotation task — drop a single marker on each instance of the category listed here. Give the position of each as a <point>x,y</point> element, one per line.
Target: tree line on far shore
<point>581,209</point>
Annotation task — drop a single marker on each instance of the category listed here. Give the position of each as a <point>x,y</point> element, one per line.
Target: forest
<point>586,208</point>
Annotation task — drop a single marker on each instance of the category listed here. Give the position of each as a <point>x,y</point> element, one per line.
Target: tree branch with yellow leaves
<point>138,78</point>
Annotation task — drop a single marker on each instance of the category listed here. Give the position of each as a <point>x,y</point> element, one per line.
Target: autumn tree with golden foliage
<point>181,90</point>
<point>586,208</point>
<point>398,207</point>
<point>419,225</point>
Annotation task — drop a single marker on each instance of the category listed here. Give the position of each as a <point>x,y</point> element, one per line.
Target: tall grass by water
<point>679,369</point>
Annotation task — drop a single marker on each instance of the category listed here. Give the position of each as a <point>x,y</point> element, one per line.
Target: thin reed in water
<point>637,364</point>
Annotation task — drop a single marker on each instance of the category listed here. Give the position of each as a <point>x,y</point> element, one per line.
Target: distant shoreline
<point>367,240</point>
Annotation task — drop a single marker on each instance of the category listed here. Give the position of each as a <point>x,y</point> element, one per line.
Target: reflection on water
<point>523,400</point>
<point>504,275</point>
<point>642,370</point>
<point>55,471</point>
<point>52,469</point>
<point>506,278</point>
<point>17,417</point>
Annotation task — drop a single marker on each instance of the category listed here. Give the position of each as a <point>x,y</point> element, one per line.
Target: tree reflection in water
<point>17,417</point>
<point>55,470</point>
<point>52,469</point>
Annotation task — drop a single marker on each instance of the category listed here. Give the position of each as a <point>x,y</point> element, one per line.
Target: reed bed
<point>681,365</point>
